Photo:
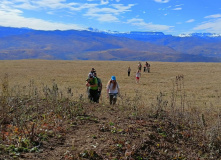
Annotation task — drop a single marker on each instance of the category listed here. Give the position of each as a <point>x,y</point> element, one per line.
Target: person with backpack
<point>112,90</point>
<point>99,82</point>
<point>92,85</point>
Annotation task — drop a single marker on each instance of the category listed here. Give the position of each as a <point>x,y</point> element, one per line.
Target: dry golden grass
<point>190,118</point>
<point>202,81</point>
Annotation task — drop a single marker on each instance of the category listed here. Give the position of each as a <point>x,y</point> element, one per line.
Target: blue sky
<point>168,16</point>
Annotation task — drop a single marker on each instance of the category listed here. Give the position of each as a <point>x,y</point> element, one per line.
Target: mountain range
<point>25,43</point>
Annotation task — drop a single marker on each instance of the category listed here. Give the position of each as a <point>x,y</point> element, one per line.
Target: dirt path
<point>108,133</point>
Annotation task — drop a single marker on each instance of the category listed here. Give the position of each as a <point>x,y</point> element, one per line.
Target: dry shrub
<point>30,115</point>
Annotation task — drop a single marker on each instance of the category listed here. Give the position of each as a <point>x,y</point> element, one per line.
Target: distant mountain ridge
<point>24,43</point>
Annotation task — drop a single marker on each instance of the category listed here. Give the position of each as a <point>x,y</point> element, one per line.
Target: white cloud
<point>107,18</point>
<point>79,7</point>
<point>148,26</point>
<point>213,26</point>
<point>162,1</point>
<point>190,20</point>
<point>178,5</point>
<point>12,14</point>
<point>40,4</point>
<point>13,19</point>
<point>53,4</point>
<point>103,2</point>
<point>177,9</point>
<point>108,14</point>
<point>48,4</point>
<point>122,8</point>
<point>213,16</point>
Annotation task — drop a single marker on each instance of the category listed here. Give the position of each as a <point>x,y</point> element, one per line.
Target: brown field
<point>202,81</point>
<point>173,113</point>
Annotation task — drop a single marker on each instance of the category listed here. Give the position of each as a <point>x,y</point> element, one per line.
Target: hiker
<point>99,82</point>
<point>139,66</point>
<point>92,72</point>
<point>128,70</point>
<point>148,67</point>
<point>138,75</point>
<point>92,85</point>
<point>113,90</point>
<point>144,68</point>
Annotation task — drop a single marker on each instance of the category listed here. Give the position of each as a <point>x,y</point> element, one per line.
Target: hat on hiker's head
<point>93,70</point>
<point>113,78</point>
<point>90,75</point>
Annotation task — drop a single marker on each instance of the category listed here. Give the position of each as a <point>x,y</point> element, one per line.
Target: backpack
<point>99,83</point>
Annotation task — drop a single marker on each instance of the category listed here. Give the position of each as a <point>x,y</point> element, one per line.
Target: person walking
<point>113,90</point>
<point>99,83</point>
<point>91,72</point>
<point>138,75</point>
<point>92,85</point>
<point>139,66</point>
<point>148,68</point>
<point>128,70</point>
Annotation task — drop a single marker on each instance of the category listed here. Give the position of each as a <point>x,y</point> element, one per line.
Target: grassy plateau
<point>172,113</point>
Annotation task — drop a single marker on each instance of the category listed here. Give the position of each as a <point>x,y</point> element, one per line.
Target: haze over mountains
<point>24,43</point>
